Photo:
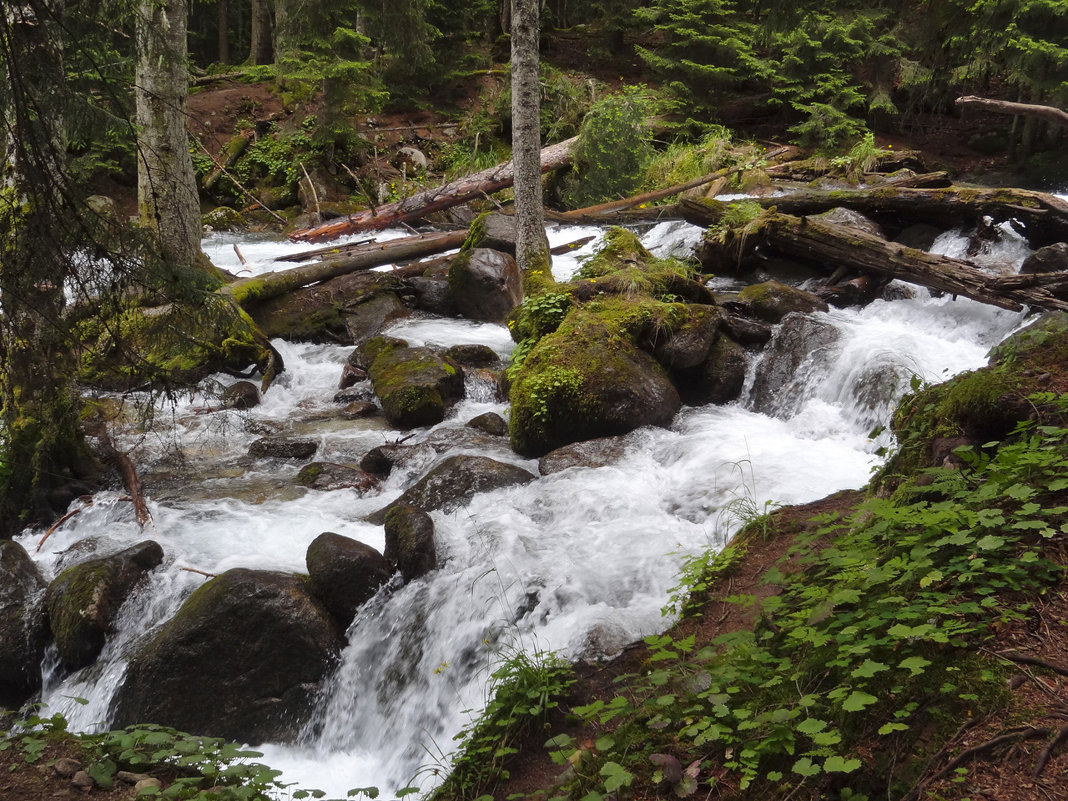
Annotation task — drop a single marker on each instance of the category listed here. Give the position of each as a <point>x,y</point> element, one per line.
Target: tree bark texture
<point>223,20</point>
<point>532,249</point>
<point>42,447</point>
<point>421,204</point>
<point>166,184</point>
<point>833,246</point>
<point>1044,218</point>
<point>260,48</point>
<point>1047,113</point>
<point>249,291</point>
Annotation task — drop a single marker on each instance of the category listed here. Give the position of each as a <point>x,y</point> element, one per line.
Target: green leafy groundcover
<point>876,639</point>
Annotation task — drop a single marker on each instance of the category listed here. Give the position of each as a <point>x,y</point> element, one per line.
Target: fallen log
<point>330,250</point>
<point>1047,113</point>
<point>431,200</point>
<point>1043,217</point>
<point>249,291</point>
<point>833,246</point>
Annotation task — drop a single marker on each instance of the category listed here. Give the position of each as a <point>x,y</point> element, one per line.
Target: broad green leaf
<point>811,726</point>
<point>857,701</point>
<point>837,764</point>
<point>892,727</point>
<point>868,669</point>
<point>916,664</point>
<point>805,767</point>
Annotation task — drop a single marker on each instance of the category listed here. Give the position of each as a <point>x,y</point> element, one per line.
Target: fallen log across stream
<point>429,201</point>
<point>269,285</point>
<point>834,246</point>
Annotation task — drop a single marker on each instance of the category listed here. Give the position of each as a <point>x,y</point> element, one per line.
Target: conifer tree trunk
<point>532,250</point>
<point>260,50</point>
<point>42,448</point>
<point>224,31</point>
<point>166,184</point>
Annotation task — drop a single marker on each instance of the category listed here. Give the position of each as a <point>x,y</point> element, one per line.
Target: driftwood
<point>423,203</point>
<point>833,246</point>
<point>1047,113</point>
<point>124,464</point>
<point>268,285</point>
<point>1043,217</point>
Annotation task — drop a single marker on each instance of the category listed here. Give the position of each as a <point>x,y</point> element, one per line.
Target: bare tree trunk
<point>532,248</point>
<point>166,184</point>
<point>224,31</point>
<point>1048,113</point>
<point>42,446</point>
<point>260,50</point>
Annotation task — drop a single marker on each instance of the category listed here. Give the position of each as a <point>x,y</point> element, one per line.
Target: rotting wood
<point>268,285</point>
<point>431,200</point>
<point>1047,113</point>
<point>1043,217</point>
<point>833,245</point>
<point>332,250</point>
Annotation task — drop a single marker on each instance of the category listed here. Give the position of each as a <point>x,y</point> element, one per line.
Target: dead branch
<point>1024,659</point>
<point>60,522</point>
<point>1047,752</point>
<point>1047,113</point>
<point>199,572</point>
<point>237,183</point>
<point>130,478</point>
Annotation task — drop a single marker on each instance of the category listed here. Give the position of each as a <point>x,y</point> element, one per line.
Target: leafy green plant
<point>612,151</point>
<point>524,688</point>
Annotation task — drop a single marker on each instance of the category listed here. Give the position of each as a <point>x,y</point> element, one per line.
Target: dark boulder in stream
<point>455,480</point>
<point>771,300</point>
<point>242,659</point>
<point>410,541</point>
<point>23,628</point>
<point>485,285</point>
<point>344,573</point>
<point>84,599</point>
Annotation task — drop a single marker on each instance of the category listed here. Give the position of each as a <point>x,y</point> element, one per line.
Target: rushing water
<point>579,561</point>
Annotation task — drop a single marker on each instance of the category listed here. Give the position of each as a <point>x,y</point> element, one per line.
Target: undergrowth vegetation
<point>876,635</point>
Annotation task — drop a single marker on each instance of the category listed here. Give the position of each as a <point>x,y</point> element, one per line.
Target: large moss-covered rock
<point>176,343</point>
<point>485,285</point>
<point>771,300</point>
<point>84,599</point>
<point>350,308</point>
<point>689,343</point>
<point>23,629</point>
<point>332,476</point>
<point>455,480</point>
<point>410,541</point>
<point>586,380</point>
<point>415,385</point>
<point>242,659</point>
<point>719,378</point>
<point>344,574</point>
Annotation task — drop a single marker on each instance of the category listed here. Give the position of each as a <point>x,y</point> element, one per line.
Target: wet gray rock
<point>379,460</point>
<point>332,476</point>
<point>719,379</point>
<point>473,355</point>
<point>772,301</point>
<point>854,219</point>
<point>283,448</point>
<point>410,541</point>
<point>369,317</point>
<point>800,339</point>
<point>23,627</point>
<point>489,423</point>
<point>344,574</point>
<point>84,599</point>
<point>1050,259</point>
<point>242,659</point>
<point>590,453</point>
<point>920,236</point>
<point>485,285</point>
<point>456,480</point>
<point>746,331</point>
<point>241,395</point>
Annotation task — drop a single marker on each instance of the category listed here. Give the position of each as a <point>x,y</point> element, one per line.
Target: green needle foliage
<point>877,636</point>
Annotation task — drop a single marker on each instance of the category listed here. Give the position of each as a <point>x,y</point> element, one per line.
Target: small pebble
<point>81,779</point>
<point>149,782</point>
<point>66,767</point>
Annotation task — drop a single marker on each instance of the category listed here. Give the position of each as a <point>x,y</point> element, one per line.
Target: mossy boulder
<point>489,423</point>
<point>242,659</point>
<point>344,574</point>
<point>473,355</point>
<point>415,385</point>
<point>84,599</point>
<point>688,344</point>
<point>331,476</point>
<point>586,380</point>
<point>350,308</point>
<point>485,285</point>
<point>174,343</point>
<point>23,627</point>
<point>456,480</point>
<point>771,301</point>
<point>224,218</point>
<point>410,541</point>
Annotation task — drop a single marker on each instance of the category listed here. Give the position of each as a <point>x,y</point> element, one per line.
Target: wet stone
<point>283,448</point>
